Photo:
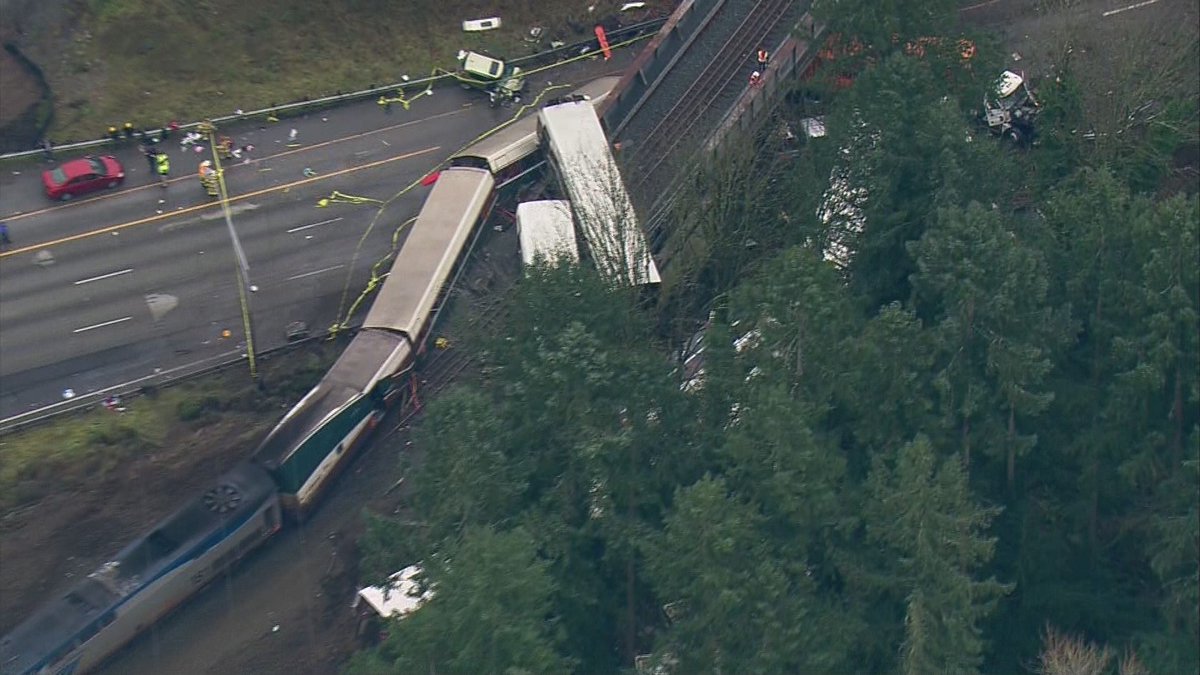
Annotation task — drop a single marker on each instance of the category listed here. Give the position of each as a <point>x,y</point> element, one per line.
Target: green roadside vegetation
<point>222,410</point>
<point>971,446</point>
<point>148,61</point>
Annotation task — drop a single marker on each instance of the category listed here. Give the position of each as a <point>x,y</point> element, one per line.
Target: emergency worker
<point>163,164</point>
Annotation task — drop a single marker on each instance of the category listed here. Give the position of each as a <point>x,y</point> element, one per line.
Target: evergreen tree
<point>995,333</point>
<point>921,510</point>
<point>490,612</point>
<point>733,602</point>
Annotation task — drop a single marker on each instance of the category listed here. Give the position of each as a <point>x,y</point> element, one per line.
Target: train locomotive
<point>299,458</point>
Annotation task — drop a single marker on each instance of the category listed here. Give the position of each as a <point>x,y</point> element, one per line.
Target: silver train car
<point>147,579</point>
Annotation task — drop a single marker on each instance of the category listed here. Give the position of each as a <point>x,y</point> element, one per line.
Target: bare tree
<point>1065,654</point>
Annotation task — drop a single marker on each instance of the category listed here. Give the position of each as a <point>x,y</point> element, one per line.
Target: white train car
<point>579,155</point>
<point>512,152</point>
<point>546,230</point>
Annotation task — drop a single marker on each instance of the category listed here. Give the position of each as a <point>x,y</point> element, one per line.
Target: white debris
<point>477,25</point>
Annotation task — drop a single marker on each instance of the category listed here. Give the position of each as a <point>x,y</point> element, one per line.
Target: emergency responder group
<point>159,162</point>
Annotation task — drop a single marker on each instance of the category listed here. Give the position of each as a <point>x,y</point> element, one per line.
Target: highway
<point>138,284</point>
<point>107,290</point>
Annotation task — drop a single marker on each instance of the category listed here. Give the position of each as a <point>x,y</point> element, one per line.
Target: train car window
<point>159,544</point>
<point>76,600</point>
<point>471,161</point>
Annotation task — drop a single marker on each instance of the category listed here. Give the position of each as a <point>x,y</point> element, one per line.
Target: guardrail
<point>297,107</point>
<point>144,386</point>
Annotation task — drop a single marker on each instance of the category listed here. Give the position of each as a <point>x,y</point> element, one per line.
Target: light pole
<point>243,270</point>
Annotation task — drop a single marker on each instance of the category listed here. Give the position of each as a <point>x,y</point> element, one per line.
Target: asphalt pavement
<point>132,286</point>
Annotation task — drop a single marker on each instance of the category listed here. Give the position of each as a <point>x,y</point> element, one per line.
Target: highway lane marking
<point>315,272</point>
<point>215,205</point>
<point>102,325</point>
<point>108,195</point>
<point>103,276</point>
<point>323,222</point>
<point>977,5</point>
<point>1136,5</point>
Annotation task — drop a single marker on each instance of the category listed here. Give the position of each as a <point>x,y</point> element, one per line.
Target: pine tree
<point>922,511</point>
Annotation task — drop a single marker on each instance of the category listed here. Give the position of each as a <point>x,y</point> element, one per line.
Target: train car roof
<point>88,605</point>
<point>40,639</point>
<point>371,356</point>
<point>519,139</point>
<point>203,521</point>
<point>546,229</point>
<point>428,255</point>
<point>598,197</point>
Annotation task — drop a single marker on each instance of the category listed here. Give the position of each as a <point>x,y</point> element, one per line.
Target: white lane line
<point>978,5</point>
<point>1136,5</point>
<point>103,276</point>
<point>102,325</point>
<point>309,274</point>
<point>323,222</point>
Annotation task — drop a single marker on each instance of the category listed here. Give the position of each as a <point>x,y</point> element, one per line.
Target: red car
<point>83,175</point>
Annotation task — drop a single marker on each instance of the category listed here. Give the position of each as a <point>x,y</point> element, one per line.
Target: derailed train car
<point>320,434</point>
<point>147,579</point>
<point>298,459</point>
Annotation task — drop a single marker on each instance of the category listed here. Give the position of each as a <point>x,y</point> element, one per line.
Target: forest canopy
<point>972,444</point>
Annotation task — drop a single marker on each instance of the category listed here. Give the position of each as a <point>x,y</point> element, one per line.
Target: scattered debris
<point>632,5</point>
<point>1011,112</point>
<point>477,25</point>
<point>296,331</point>
<point>813,127</point>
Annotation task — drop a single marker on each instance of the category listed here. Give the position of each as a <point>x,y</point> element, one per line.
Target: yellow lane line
<point>214,205</point>
<point>120,193</point>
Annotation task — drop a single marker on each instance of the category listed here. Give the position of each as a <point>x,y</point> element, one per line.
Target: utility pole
<point>243,265</point>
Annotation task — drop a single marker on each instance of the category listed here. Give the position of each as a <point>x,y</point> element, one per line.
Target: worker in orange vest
<point>763,57</point>
<point>755,79</point>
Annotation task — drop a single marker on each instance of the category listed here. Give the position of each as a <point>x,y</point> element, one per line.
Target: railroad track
<point>437,370</point>
<point>666,136</point>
